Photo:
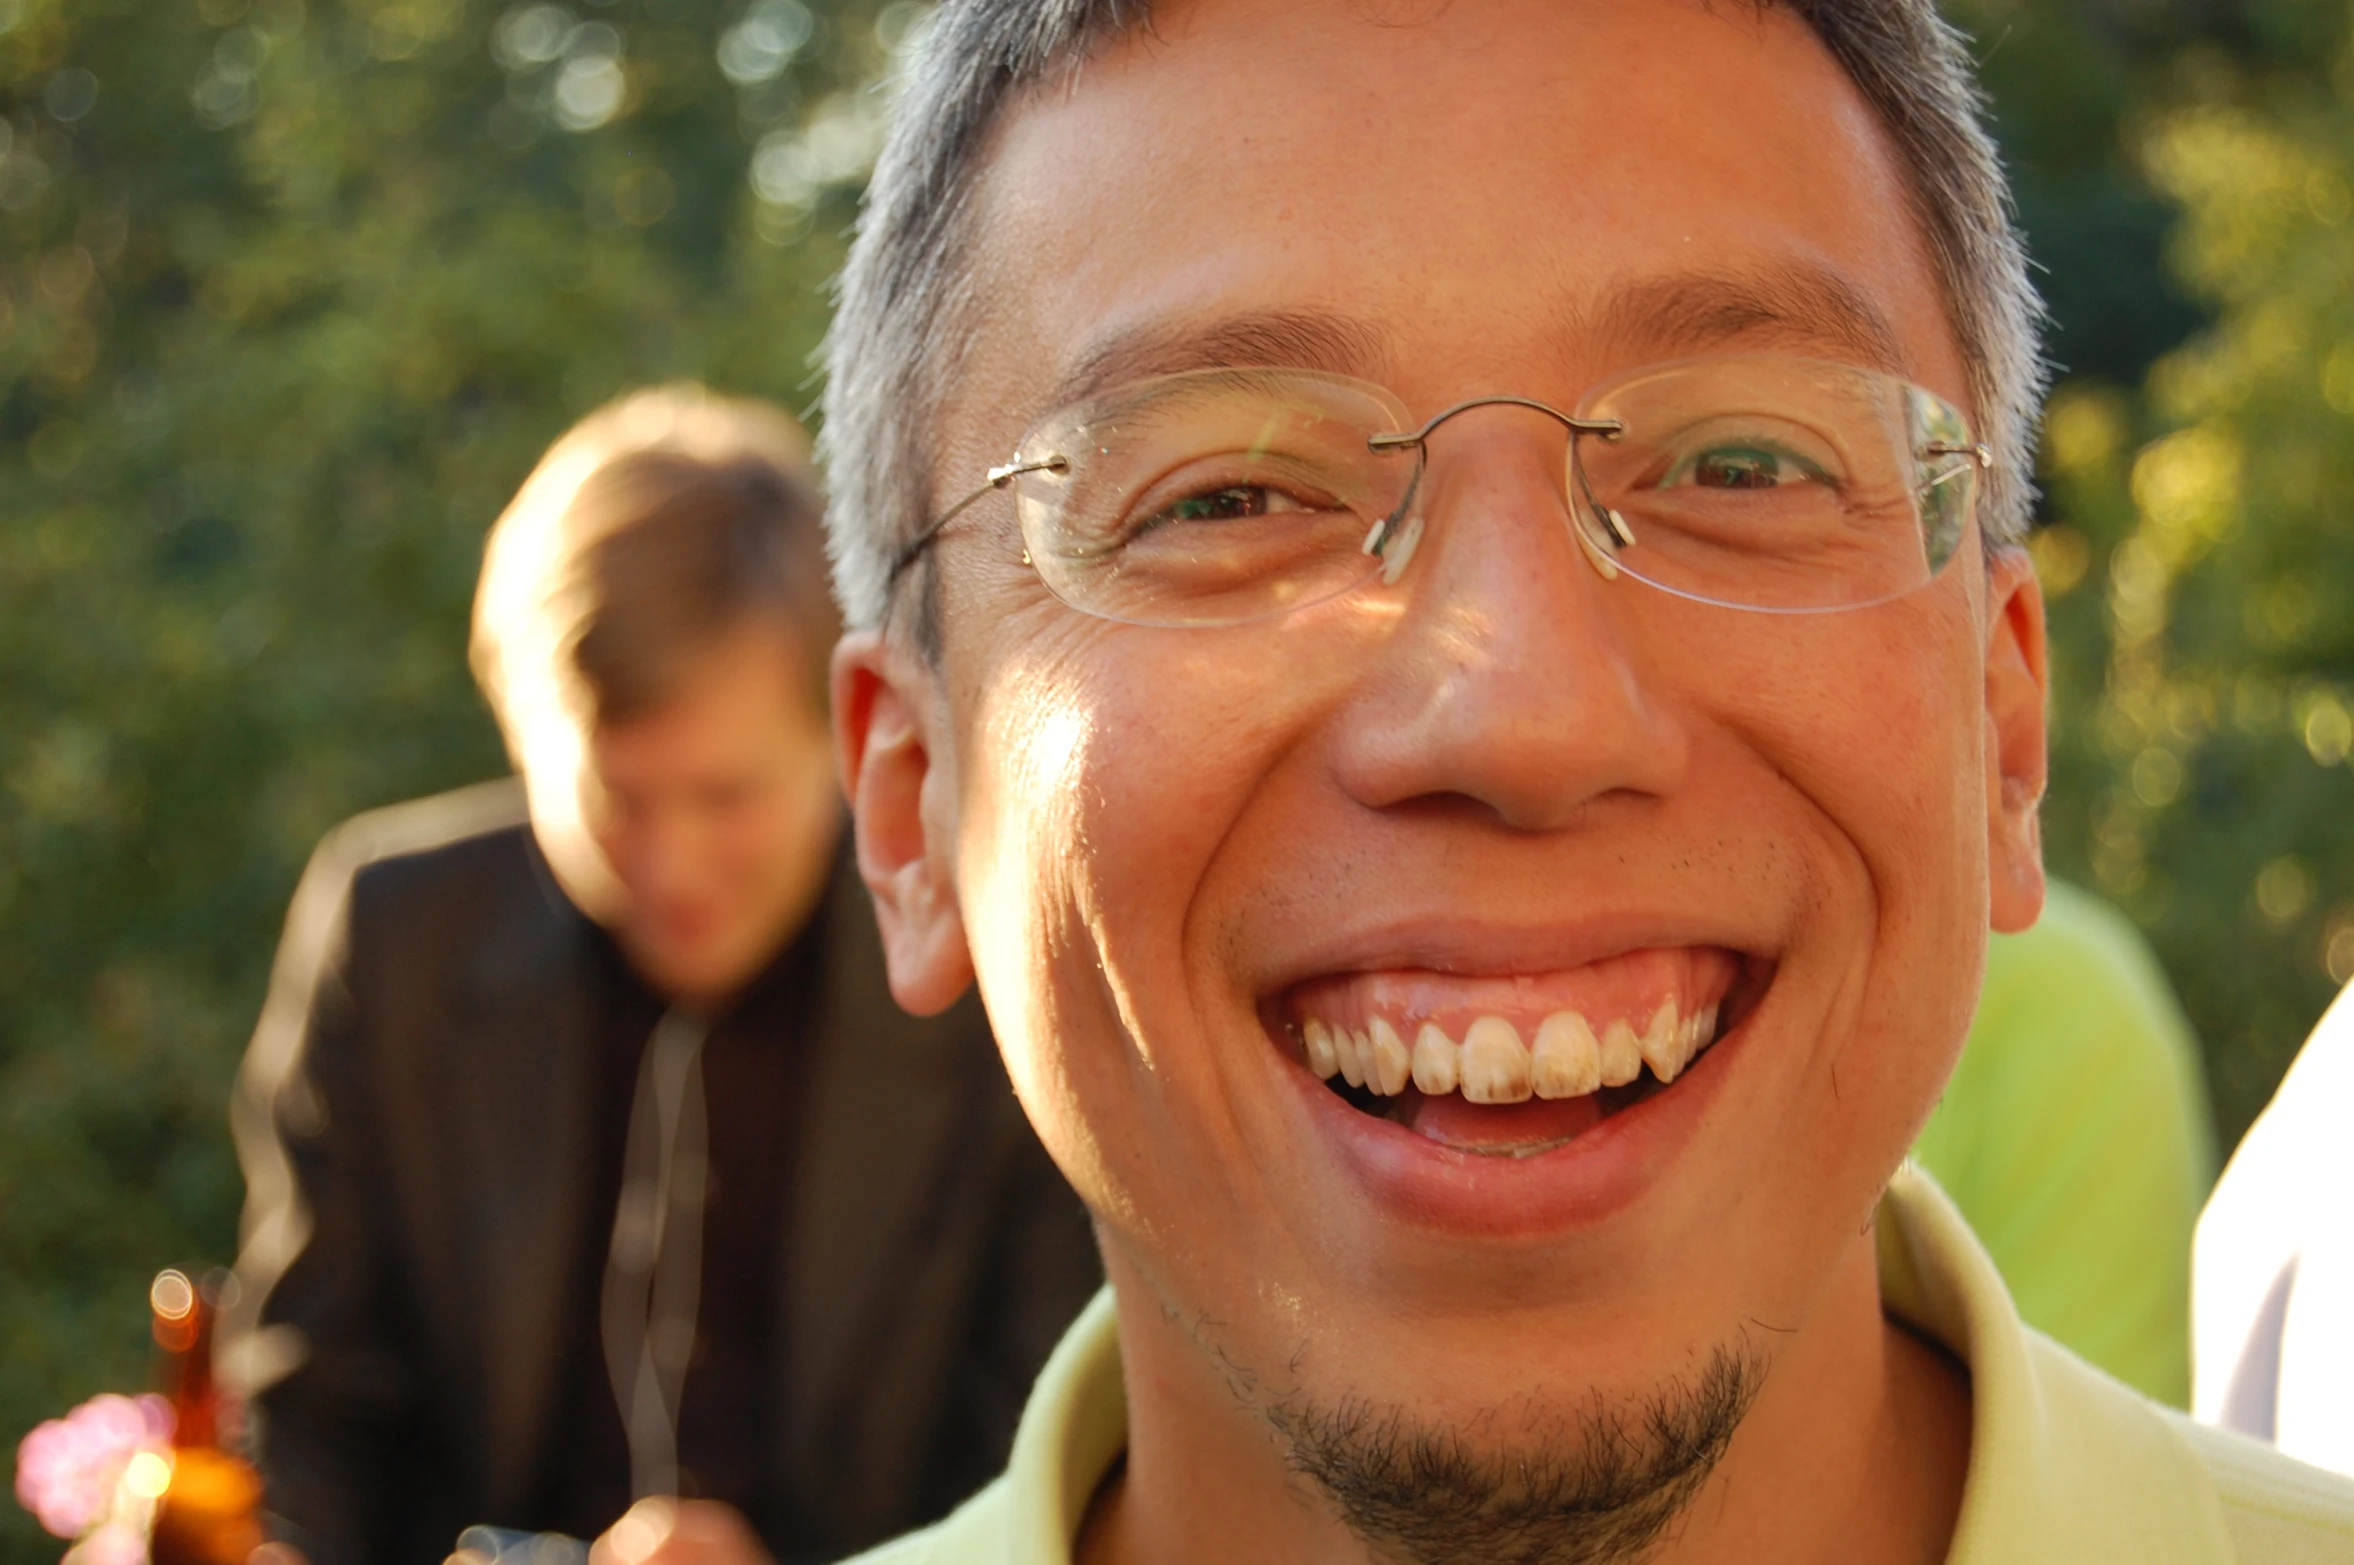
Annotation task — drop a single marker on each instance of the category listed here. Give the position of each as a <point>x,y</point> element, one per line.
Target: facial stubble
<point>1593,1486</point>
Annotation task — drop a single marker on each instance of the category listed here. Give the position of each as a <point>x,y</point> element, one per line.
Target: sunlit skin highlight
<point>1138,840</point>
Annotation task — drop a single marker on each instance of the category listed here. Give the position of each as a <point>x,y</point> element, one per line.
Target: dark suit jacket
<point>413,1117</point>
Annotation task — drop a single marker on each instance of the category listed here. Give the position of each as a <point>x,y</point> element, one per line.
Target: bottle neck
<point>186,1375</point>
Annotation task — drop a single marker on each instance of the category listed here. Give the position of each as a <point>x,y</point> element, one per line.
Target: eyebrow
<point>1294,339</point>
<point>1787,304</point>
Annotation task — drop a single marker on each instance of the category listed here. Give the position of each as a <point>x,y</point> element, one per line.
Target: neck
<point>1854,1451</point>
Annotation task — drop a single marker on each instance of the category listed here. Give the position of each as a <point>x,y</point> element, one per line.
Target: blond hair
<point>648,532</point>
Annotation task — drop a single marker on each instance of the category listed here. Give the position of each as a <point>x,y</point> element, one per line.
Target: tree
<point>2183,176</point>
<point>2212,795</point>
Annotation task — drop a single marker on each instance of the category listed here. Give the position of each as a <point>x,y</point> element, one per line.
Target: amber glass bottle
<point>211,1513</point>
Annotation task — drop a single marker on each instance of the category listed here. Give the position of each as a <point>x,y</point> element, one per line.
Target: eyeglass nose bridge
<point>1607,428</point>
<point>1388,530</point>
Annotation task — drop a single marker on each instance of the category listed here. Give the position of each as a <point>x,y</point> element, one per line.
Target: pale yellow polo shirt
<point>2067,1467</point>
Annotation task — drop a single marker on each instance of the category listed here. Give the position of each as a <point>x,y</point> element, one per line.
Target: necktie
<point>653,1272</point>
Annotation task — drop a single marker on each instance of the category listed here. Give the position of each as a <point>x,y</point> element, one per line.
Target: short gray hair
<point>902,320</point>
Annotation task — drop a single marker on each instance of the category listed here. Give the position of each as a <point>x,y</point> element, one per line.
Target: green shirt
<point>2074,1136</point>
<point>2066,1466</point>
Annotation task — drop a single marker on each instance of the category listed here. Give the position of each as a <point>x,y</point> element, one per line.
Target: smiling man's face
<point>1493,795</point>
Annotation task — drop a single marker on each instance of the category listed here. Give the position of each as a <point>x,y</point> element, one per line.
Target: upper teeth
<point>1437,1068</point>
<point>1494,1062</point>
<point>1385,1059</point>
<point>1493,1065</point>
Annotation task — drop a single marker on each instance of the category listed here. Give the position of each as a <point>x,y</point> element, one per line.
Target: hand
<point>680,1532</point>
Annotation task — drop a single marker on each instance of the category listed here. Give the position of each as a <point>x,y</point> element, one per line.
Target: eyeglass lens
<point>1757,482</point>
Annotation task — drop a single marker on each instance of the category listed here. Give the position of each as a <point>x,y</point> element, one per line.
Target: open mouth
<point>1514,1066</point>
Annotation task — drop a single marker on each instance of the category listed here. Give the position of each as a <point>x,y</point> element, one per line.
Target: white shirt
<point>2272,1292</point>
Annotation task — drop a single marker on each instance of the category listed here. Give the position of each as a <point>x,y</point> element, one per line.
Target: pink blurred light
<point>67,1469</point>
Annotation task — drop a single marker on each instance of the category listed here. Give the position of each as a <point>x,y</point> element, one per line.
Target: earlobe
<point>2018,682</point>
<point>880,697</point>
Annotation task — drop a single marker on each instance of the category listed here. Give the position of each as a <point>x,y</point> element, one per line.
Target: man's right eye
<point>1225,505</point>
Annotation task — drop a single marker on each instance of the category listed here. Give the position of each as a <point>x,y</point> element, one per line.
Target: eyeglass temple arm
<point>998,478</point>
<point>1981,461</point>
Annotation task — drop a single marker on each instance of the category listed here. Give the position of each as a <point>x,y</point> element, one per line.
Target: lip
<point>1590,1180</point>
<point>1630,985</point>
<point>1450,944</point>
<point>682,923</point>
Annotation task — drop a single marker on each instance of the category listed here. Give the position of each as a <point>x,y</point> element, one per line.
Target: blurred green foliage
<point>292,292</point>
<point>2186,175</point>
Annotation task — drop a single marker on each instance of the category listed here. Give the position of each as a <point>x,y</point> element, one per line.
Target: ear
<point>883,700</point>
<point>2018,680</point>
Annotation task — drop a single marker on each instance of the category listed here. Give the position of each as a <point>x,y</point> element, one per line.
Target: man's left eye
<point>1220,505</point>
<point>1743,467</point>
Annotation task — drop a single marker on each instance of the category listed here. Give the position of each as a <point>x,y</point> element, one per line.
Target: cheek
<point>1101,771</point>
<point>622,843</point>
<point>1876,719</point>
<point>1875,725</point>
<point>1022,873</point>
<point>791,819</point>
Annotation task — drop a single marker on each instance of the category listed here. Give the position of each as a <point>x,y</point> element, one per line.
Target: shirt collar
<point>2065,1463</point>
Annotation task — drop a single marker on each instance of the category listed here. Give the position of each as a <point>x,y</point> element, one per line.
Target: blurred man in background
<point>585,1146</point>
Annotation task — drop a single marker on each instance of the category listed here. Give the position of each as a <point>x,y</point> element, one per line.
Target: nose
<point>1507,687</point>
<point>657,853</point>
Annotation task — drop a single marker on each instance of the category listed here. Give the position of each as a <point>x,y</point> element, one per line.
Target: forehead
<point>1444,197</point>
